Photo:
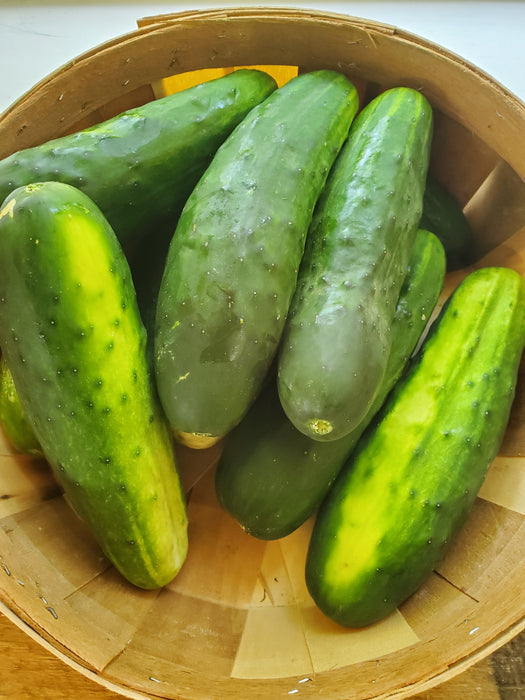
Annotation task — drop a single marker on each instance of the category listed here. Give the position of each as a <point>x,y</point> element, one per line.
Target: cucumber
<point>75,344</point>
<point>443,215</point>
<point>140,166</point>
<point>271,477</point>
<point>17,429</point>
<point>232,264</point>
<point>417,470</point>
<point>337,338</point>
<point>147,267</point>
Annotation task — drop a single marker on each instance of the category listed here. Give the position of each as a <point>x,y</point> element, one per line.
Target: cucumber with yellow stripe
<point>413,478</point>
<point>232,264</point>
<point>76,347</point>
<point>140,166</point>
<point>18,430</point>
<point>337,338</point>
<point>271,477</point>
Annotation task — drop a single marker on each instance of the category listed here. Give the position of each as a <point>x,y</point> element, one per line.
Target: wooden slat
<point>273,645</point>
<point>497,209</point>
<point>436,606</point>
<point>481,542</point>
<point>116,609</point>
<point>232,559</point>
<point>473,159</point>
<point>24,482</point>
<point>193,465</point>
<point>182,629</point>
<point>505,483</point>
<point>139,96</point>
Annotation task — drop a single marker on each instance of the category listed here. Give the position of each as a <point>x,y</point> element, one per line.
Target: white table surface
<point>38,37</point>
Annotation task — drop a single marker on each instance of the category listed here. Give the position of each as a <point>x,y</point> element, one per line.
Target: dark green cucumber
<point>147,267</point>
<point>443,215</point>
<point>75,344</point>
<point>417,470</point>
<point>140,166</point>
<point>271,477</point>
<point>13,419</point>
<point>337,338</point>
<point>232,264</point>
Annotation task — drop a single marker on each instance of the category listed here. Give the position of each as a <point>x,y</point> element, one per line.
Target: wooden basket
<point>237,622</point>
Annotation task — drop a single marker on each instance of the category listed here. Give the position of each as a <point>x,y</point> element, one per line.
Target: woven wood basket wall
<point>237,622</point>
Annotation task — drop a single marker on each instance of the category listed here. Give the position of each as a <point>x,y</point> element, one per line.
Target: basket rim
<point>152,23</point>
<point>422,685</point>
<point>510,108</point>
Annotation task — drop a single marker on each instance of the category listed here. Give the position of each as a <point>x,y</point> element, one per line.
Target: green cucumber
<point>232,264</point>
<point>147,267</point>
<point>271,477</point>
<point>443,215</point>
<point>415,473</point>
<point>140,166</point>
<point>75,344</point>
<point>13,419</point>
<point>337,338</point>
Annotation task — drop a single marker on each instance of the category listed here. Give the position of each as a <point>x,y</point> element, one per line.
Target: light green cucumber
<point>232,264</point>
<point>271,477</point>
<point>75,344</point>
<point>140,166</point>
<point>13,419</point>
<point>337,338</point>
<point>415,473</point>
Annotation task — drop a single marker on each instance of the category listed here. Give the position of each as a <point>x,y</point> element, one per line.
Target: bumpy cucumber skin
<point>13,419</point>
<point>417,470</point>
<point>75,345</point>
<point>140,166</point>
<point>337,337</point>
<point>232,264</point>
<point>443,216</point>
<point>271,477</point>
